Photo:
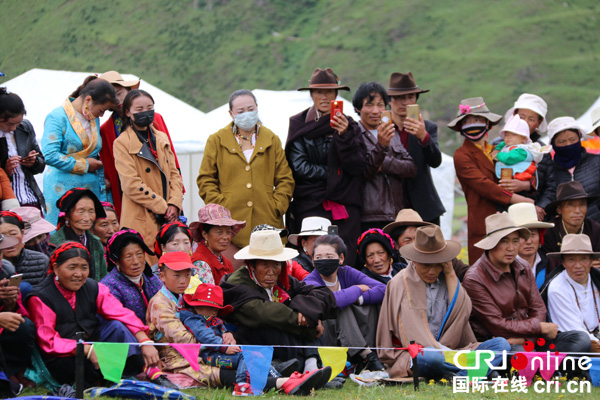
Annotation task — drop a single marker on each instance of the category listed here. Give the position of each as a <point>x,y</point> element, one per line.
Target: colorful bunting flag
<point>334,357</point>
<point>111,358</point>
<point>190,352</point>
<point>546,366</point>
<point>472,358</point>
<point>258,360</point>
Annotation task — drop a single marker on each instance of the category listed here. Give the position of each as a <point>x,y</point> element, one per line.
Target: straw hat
<point>473,106</point>
<point>595,122</point>
<point>406,217</point>
<point>575,244</point>
<point>403,84</point>
<point>572,190</point>
<point>311,226</point>
<point>525,216</point>
<point>517,126</point>
<point>116,79</point>
<point>324,79</point>
<point>498,226</point>
<point>560,124</point>
<point>531,102</point>
<point>265,245</point>
<point>430,247</point>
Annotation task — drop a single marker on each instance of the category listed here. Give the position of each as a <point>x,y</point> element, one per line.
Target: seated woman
<point>172,236</point>
<point>426,304</point>
<point>130,279</point>
<point>79,208</point>
<point>105,227</point>
<point>67,302</point>
<point>213,233</point>
<point>37,229</point>
<point>357,297</point>
<point>376,251</point>
<point>272,308</point>
<point>573,294</point>
<point>32,264</point>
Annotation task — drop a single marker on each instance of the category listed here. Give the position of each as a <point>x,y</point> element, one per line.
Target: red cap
<point>176,260</point>
<point>208,295</point>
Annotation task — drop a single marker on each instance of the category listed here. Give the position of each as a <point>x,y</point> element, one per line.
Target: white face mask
<point>246,121</point>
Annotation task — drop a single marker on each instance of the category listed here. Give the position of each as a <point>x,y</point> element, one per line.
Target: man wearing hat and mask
<point>425,303</point>
<point>111,129</point>
<point>475,169</point>
<point>419,138</point>
<point>506,301</point>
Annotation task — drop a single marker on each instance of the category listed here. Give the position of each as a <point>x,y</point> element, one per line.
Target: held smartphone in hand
<point>15,280</point>
<point>332,230</point>
<point>337,109</point>
<point>386,117</point>
<point>413,111</point>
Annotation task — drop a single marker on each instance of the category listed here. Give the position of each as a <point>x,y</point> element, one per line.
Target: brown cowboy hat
<point>324,79</point>
<point>406,217</point>
<point>403,84</point>
<point>572,190</point>
<point>473,106</point>
<point>498,226</point>
<point>430,247</point>
<point>575,244</point>
<point>116,79</point>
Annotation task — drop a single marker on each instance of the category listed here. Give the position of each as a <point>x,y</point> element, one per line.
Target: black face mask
<point>327,267</point>
<point>474,132</point>
<point>143,118</point>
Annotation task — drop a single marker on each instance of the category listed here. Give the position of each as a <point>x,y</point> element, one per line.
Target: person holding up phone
<point>327,157</point>
<point>419,138</point>
<point>388,162</point>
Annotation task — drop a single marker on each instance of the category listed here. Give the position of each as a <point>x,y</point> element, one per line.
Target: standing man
<point>388,162</point>
<point>419,137</point>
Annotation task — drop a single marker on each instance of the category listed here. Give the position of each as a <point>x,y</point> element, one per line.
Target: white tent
<point>43,90</point>
<point>585,121</point>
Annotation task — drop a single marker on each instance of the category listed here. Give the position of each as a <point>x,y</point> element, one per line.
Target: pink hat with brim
<point>34,223</point>
<point>217,215</point>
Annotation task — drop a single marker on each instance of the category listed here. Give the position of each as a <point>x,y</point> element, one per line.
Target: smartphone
<point>413,111</point>
<point>337,109</point>
<point>386,117</point>
<point>15,280</point>
<point>506,173</point>
<point>332,230</point>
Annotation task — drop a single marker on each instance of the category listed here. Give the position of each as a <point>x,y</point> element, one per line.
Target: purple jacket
<point>129,294</point>
<point>349,292</point>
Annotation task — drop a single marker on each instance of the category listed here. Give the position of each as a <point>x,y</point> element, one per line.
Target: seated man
<point>428,287</point>
<point>506,301</point>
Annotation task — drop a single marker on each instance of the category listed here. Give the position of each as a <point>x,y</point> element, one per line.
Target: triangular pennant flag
<point>334,357</point>
<point>472,358</point>
<point>190,352</point>
<point>258,361</point>
<point>111,358</point>
<point>595,371</point>
<point>548,367</point>
<point>449,356</point>
<point>530,369</point>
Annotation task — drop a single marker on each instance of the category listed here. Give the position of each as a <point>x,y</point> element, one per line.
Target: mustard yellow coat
<point>257,192</point>
<point>142,185</point>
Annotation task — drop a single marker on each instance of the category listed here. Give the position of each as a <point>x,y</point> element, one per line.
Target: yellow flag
<point>449,355</point>
<point>335,357</point>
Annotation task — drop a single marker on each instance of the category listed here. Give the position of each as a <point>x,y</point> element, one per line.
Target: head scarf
<point>164,232</point>
<point>12,214</point>
<point>70,198</point>
<point>116,243</point>
<point>66,246</point>
<point>379,236</point>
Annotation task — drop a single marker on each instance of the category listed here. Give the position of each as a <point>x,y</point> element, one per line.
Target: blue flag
<point>258,360</point>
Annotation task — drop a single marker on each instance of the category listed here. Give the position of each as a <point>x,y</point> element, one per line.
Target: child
<point>516,151</point>
<point>208,328</point>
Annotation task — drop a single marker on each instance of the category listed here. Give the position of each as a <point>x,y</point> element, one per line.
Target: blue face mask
<point>567,156</point>
<point>246,121</point>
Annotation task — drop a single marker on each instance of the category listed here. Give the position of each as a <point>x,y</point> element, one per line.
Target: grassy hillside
<point>202,50</point>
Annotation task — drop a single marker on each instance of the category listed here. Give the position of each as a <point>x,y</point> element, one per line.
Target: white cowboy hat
<point>311,226</point>
<point>265,245</point>
<point>525,216</point>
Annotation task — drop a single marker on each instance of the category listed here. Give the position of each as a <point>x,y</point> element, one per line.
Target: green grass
<point>202,50</point>
<point>352,391</point>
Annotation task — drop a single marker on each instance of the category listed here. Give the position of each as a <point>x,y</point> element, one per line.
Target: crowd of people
<point>332,239</point>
